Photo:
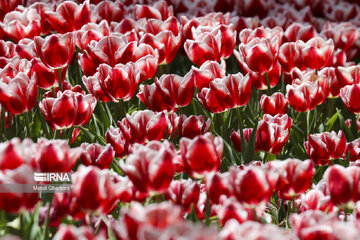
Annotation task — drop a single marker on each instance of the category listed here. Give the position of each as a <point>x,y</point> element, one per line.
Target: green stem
<point>3,121</point>
<point>207,220</point>
<point>59,79</point>
<point>27,122</point>
<point>122,109</point>
<point>47,220</point>
<point>268,83</point>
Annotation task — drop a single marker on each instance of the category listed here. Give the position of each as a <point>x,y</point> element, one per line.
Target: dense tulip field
<point>180,119</point>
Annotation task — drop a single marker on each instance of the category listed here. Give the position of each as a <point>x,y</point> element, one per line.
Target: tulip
<point>298,31</point>
<point>246,35</point>
<point>252,186</point>
<point>344,34</point>
<point>306,94</point>
<point>323,147</point>
<point>69,16</point>
<point>207,72</point>
<point>294,177</point>
<point>352,148</point>
<point>316,52</point>
<point>150,167</point>
<point>203,48</point>
<point>316,200</point>
<point>55,156</point>
<point>273,132</point>
<point>15,153</point>
<point>26,49</point>
<point>160,10</point>
<point>226,93</point>
<point>97,155</point>
<point>193,126</point>
<point>289,57</point>
<point>18,93</point>
<point>17,200</point>
<point>98,191</point>
<point>90,32</point>
<point>7,49</point>
<point>274,104</point>
<point>343,185</point>
<point>113,84</point>
<point>45,77</point>
<point>109,11</point>
<point>201,154</point>
<point>173,90</point>
<point>68,109</point>
<point>349,97</point>
<point>235,137</point>
<point>117,141</point>
<point>184,193</point>
<point>217,185</point>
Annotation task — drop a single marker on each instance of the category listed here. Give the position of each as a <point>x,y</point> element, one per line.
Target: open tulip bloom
<point>194,119</point>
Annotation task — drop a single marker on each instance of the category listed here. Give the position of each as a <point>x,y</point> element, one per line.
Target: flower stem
<point>27,122</point>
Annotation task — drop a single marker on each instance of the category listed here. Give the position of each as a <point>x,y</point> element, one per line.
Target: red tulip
<point>117,140</point>
<point>18,93</point>
<point>68,109</point>
<point>45,77</point>
<point>226,93</point>
<point>340,77</point>
<point>69,16</point>
<point>289,57</point>
<point>343,185</point>
<point>113,83</point>
<point>55,51</point>
<point>15,153</point>
<point>349,95</point>
<point>201,154</point>
<point>145,125</point>
<point>193,126</point>
<point>26,49</point>
<point>316,200</point>
<point>236,138</point>
<point>294,177</point>
<point>17,200</point>
<point>150,167</point>
<point>323,147</point>
<point>7,49</point>
<point>217,185</point>
<point>247,34</point>
<point>168,93</point>
<point>160,10</point>
<point>96,190</point>
<point>298,31</point>
<point>273,132</point>
<point>344,34</point>
<point>207,72</point>
<point>252,186</point>
<point>96,155</point>
<point>90,32</point>
<point>184,193</point>
<point>316,52</point>
<point>109,11</point>
<point>70,232</point>
<point>353,148</point>
<point>274,104</point>
<point>304,95</point>
<point>55,156</point>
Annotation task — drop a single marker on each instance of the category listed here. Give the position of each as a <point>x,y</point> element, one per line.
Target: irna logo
<point>52,177</point>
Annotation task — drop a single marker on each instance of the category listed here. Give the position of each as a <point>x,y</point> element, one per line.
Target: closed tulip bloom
<point>316,200</point>
<point>113,83</point>
<point>289,57</point>
<point>274,104</point>
<point>14,153</point>
<point>236,138</point>
<point>173,90</point>
<point>343,185</point>
<point>68,109</point>
<point>18,93</point>
<point>96,155</point>
<point>150,167</point>
<point>201,154</point>
<point>55,156</point>
<point>117,140</point>
<point>299,31</point>
<point>193,126</point>
<point>273,132</point>
<point>294,177</point>
<point>252,186</point>
<point>55,51</point>
<point>69,16</point>
<point>159,10</point>
<point>21,201</point>
<point>207,72</point>
<point>7,49</point>
<point>217,185</point>
<point>323,147</point>
<point>90,32</point>
<point>246,35</point>
<point>226,93</point>
<point>316,52</point>
<point>350,95</point>
<point>97,191</point>
<point>46,78</point>
<point>108,11</point>
<point>304,95</point>
<point>184,193</point>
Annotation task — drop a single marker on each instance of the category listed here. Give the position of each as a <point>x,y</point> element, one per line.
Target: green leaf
<point>330,123</point>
